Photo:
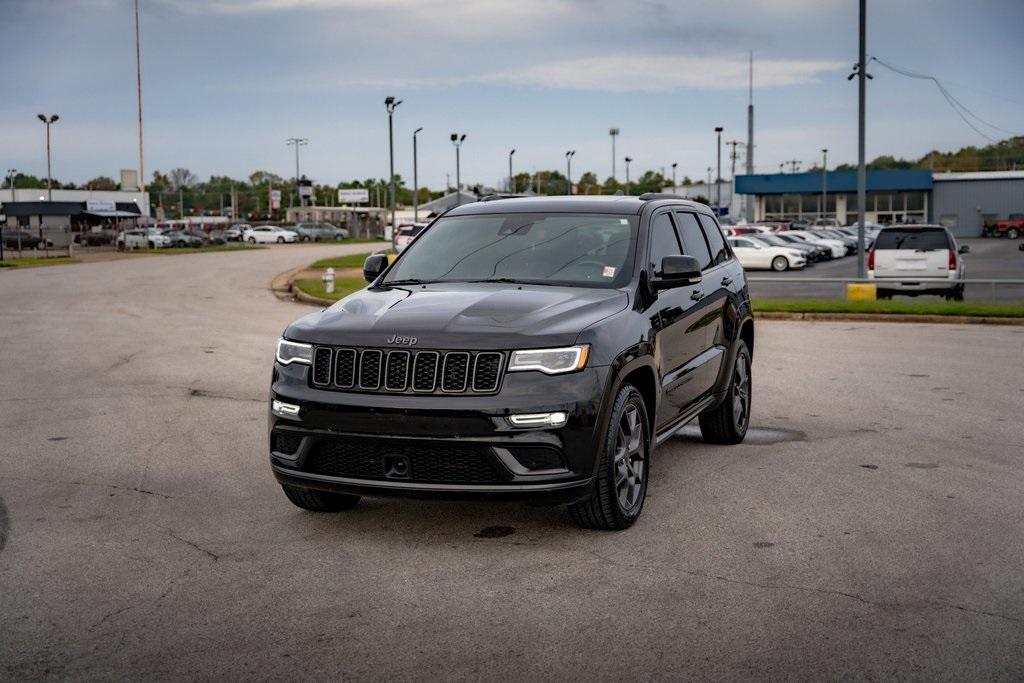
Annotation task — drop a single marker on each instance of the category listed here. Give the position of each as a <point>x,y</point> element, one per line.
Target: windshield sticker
<point>623,221</point>
<point>608,271</point>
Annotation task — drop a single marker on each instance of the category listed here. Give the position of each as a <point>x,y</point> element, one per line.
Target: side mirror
<point>373,266</point>
<point>964,249</point>
<point>677,271</point>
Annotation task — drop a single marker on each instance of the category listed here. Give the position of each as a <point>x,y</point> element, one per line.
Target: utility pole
<point>718,178</point>
<point>457,142</point>
<point>628,159</point>
<point>613,132</point>
<point>568,169</point>
<point>415,180</point>
<point>709,184</point>
<point>49,173</point>
<point>138,93</point>
<point>824,182</point>
<point>794,164</point>
<point>732,173</point>
<point>511,178</point>
<point>860,71</point>
<point>674,164</point>
<point>750,138</point>
<point>390,103</point>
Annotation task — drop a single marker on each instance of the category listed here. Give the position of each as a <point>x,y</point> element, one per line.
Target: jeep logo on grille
<point>405,341</point>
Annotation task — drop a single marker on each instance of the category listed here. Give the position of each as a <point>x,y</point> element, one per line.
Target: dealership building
<point>963,202</point>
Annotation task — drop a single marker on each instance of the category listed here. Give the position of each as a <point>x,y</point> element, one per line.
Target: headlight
<point>550,361</point>
<point>294,352</point>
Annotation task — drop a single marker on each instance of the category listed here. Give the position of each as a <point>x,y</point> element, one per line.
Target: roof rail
<point>497,195</point>
<point>651,196</point>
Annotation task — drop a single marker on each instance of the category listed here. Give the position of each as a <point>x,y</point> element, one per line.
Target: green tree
<point>101,183</point>
<point>588,184</point>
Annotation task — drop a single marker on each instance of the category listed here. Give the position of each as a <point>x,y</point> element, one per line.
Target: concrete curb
<point>891,318</point>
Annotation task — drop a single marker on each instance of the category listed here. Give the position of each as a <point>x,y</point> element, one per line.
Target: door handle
<point>696,294</point>
<point>726,281</point>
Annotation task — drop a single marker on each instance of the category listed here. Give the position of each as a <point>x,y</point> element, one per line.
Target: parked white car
<point>139,238</point>
<point>406,234</point>
<point>838,247</point>
<point>268,234</point>
<point>917,259</point>
<point>752,254</point>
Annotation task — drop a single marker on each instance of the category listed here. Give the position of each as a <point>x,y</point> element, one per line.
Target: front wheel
<point>252,240</point>
<point>280,240</point>
<point>780,263</point>
<point>1013,233</point>
<point>618,492</point>
<point>727,424</point>
<point>319,501</point>
<point>152,245</point>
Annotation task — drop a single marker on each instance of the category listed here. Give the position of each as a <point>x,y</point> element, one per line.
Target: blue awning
<point>913,180</point>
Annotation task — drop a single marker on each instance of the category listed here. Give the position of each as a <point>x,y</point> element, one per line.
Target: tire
<point>252,240</point>
<point>955,294</point>
<point>151,245</point>
<point>319,501</point>
<point>780,263</point>
<point>728,422</point>
<point>620,487</point>
<point>280,240</point>
<point>1013,233</point>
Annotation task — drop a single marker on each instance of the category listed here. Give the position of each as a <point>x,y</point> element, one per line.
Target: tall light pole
<point>138,94</point>
<point>390,103</point>
<point>824,182</point>
<point>568,169</point>
<point>457,141</point>
<point>415,180</point>
<point>674,164</point>
<point>860,71</point>
<point>750,138</point>
<point>49,173</point>
<point>511,178</point>
<point>613,132</point>
<point>709,184</point>
<point>718,178</point>
<point>628,159</point>
<point>297,142</point>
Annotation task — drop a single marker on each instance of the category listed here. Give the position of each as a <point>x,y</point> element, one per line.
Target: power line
<point>959,107</point>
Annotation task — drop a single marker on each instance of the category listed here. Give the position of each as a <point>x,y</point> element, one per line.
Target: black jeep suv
<point>519,348</point>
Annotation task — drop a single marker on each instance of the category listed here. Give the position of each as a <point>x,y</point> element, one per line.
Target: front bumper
<point>449,446</point>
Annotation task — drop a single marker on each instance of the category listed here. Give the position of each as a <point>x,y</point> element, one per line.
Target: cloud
<point>632,73</point>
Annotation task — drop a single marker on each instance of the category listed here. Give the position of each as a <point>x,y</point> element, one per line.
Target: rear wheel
<point>1013,233</point>
<point>319,501</point>
<point>780,263</point>
<point>955,294</point>
<point>280,240</point>
<point>728,422</point>
<point>618,492</point>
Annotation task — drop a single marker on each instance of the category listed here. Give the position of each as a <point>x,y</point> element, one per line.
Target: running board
<point>684,419</point>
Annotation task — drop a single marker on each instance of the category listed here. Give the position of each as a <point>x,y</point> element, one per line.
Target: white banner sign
<point>275,199</point>
<point>353,196</point>
<point>100,205</point>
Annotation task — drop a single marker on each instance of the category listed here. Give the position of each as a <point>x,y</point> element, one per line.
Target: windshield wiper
<point>409,281</point>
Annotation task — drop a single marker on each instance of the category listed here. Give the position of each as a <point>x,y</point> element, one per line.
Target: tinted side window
<point>693,239</point>
<point>719,254</point>
<point>663,240</point>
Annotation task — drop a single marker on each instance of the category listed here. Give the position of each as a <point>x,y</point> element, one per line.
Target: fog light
<point>282,409</point>
<point>538,420</point>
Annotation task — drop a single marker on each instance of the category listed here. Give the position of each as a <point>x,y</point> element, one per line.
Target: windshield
<point>577,249</point>
<point>913,238</point>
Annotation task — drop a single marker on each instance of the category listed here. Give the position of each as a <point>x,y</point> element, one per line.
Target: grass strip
<point>343,286</point>
<point>36,261</point>
<point>912,307</point>
<point>337,262</point>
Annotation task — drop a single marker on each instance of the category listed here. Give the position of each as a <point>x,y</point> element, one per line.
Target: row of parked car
<point>155,238</point>
<point>780,248</point>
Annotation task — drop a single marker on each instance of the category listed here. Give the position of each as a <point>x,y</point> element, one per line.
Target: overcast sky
<point>225,82</point>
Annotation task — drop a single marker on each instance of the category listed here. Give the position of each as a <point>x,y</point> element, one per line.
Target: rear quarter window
<point>719,253</point>
<point>917,238</point>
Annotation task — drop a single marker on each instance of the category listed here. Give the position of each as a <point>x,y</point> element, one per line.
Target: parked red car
<point>1012,227</point>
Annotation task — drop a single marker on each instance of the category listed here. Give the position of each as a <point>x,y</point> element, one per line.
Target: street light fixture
<point>628,159</point>
<point>297,142</point>
<point>511,178</point>
<point>390,103</point>
<point>49,174</point>
<point>718,178</point>
<point>415,180</point>
<point>613,132</point>
<point>457,141</point>
<point>568,169</point>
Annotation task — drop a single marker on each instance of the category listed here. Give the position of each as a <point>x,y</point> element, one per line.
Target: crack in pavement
<point>5,525</point>
<point>133,489</point>
<point>198,547</point>
<point>202,393</point>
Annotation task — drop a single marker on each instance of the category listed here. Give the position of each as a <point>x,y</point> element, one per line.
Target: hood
<point>461,316</point>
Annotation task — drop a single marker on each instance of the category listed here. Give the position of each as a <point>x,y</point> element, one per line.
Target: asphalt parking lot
<point>870,527</point>
<point>989,259</point>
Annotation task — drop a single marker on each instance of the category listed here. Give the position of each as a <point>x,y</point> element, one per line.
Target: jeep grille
<point>396,371</point>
